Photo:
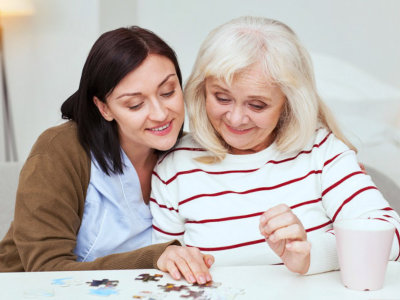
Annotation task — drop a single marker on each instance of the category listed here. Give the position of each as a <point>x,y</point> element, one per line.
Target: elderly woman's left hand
<point>286,236</point>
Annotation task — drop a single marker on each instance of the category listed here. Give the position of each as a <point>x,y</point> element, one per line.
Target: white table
<point>258,282</point>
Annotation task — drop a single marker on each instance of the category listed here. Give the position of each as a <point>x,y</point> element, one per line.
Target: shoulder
<point>187,147</point>
<point>183,154</point>
<point>56,157</point>
<point>60,148</point>
<point>326,145</point>
<point>62,139</point>
<point>325,137</point>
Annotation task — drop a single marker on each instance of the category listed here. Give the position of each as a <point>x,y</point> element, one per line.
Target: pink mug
<point>363,248</point>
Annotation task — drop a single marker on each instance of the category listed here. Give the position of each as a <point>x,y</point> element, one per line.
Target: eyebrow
<point>252,97</point>
<point>255,97</point>
<point>220,87</point>
<point>139,93</point>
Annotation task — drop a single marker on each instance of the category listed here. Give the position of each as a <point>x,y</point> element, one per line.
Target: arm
<point>49,208</point>
<point>347,192</point>
<point>169,224</point>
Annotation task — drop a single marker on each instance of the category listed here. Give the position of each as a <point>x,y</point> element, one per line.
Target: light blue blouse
<point>115,218</point>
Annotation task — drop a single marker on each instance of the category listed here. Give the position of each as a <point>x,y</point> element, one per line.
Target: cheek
<point>267,121</point>
<point>214,111</point>
<point>179,106</point>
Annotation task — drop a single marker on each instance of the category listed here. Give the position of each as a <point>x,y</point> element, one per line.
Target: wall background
<point>45,52</point>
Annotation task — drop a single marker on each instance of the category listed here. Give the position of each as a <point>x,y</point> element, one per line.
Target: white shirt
<point>216,207</point>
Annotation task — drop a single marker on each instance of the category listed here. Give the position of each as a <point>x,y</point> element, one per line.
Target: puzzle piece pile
<point>145,286</point>
<point>208,291</point>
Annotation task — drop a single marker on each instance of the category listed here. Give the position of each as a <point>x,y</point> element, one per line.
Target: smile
<point>161,130</point>
<point>237,130</point>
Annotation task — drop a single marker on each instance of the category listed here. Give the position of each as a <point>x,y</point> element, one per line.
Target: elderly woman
<point>266,170</point>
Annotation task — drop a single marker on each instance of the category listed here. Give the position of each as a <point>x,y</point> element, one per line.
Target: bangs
<point>225,60</point>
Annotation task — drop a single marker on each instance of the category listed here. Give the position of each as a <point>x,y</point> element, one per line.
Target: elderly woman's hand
<point>286,236</point>
<point>188,261</point>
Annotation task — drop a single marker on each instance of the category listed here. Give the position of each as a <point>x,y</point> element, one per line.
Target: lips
<point>161,130</point>
<point>237,130</point>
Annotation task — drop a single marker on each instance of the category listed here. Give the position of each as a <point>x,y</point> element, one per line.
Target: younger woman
<point>83,191</point>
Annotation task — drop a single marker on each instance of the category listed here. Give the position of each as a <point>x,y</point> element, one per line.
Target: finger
<point>185,270</point>
<point>173,270</point>
<point>291,232</point>
<point>283,220</point>
<point>195,261</point>
<point>301,247</point>
<point>209,260</point>
<point>273,212</point>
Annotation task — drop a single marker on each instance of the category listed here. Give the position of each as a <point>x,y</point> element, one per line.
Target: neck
<point>145,158</point>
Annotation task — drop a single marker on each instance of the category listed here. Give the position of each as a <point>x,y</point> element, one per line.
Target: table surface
<point>246,282</point>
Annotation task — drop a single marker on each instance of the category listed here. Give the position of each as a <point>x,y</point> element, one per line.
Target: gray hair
<point>237,45</point>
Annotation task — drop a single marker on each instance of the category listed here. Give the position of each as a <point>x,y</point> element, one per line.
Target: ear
<point>103,109</point>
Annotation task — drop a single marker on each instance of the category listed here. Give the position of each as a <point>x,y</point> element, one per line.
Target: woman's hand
<point>188,261</point>
<point>286,236</point>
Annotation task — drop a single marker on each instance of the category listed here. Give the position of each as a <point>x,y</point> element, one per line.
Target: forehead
<point>152,70</point>
<point>252,77</point>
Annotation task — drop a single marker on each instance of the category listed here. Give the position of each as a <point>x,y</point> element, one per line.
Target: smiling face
<point>147,105</point>
<point>246,112</point>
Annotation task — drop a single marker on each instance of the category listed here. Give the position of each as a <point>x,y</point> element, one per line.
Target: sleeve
<point>348,193</point>
<point>168,224</point>
<point>48,211</point>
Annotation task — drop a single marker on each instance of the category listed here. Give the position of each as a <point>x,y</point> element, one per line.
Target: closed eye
<point>257,107</point>
<point>222,99</point>
<point>169,94</point>
<point>136,107</point>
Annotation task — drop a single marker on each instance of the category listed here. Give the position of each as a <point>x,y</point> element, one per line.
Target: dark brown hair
<point>112,57</point>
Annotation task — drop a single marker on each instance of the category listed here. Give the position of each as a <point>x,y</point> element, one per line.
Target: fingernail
<point>201,279</point>
<point>177,275</point>
<point>209,261</point>
<point>208,276</point>
<point>192,279</point>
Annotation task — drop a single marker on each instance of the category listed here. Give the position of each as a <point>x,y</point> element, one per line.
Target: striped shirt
<point>217,207</point>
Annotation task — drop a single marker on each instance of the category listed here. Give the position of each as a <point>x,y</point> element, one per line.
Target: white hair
<point>241,43</point>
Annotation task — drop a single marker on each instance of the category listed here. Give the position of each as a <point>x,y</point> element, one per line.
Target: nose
<point>159,111</point>
<point>237,116</point>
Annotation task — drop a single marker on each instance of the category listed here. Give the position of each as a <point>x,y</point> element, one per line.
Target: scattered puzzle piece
<point>210,284</point>
<point>105,283</point>
<point>193,294</point>
<point>172,287</point>
<point>147,277</point>
<point>148,295</point>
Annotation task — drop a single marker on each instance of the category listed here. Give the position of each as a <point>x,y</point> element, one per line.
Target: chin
<point>165,146</point>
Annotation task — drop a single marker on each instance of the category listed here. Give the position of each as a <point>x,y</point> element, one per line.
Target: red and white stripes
<point>217,207</point>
